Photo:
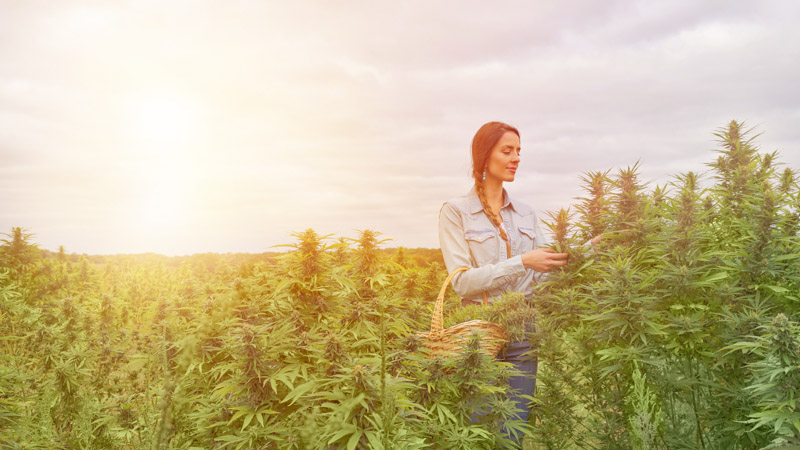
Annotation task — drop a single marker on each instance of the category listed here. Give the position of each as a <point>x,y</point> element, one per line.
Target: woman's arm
<point>455,249</point>
<point>542,259</point>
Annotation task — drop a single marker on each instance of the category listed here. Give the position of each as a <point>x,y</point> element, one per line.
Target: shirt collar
<point>475,205</point>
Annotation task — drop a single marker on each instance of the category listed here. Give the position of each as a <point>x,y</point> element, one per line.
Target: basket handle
<point>436,320</point>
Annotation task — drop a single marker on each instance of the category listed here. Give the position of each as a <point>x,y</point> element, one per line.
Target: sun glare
<point>161,121</point>
<point>161,208</point>
<point>163,133</point>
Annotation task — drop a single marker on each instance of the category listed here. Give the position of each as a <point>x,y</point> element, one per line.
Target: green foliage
<point>645,417</point>
<point>679,329</point>
<point>313,348</point>
<point>18,250</point>
<point>775,378</point>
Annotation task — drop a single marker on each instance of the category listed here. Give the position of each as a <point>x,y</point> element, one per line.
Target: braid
<point>482,144</point>
<point>495,218</point>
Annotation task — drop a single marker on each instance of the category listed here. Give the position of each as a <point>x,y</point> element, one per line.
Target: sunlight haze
<point>188,127</point>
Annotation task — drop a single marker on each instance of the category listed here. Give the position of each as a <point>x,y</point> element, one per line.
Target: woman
<point>499,237</point>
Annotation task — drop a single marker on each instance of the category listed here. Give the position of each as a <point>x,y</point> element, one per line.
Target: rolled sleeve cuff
<point>515,267</point>
<point>509,270</point>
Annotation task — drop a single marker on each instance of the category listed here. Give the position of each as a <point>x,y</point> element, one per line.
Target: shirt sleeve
<point>455,250</point>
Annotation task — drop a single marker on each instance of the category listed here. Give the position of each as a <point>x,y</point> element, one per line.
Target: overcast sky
<point>181,127</point>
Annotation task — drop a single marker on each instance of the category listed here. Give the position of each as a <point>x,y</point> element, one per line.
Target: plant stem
<point>694,405</point>
<point>384,398</point>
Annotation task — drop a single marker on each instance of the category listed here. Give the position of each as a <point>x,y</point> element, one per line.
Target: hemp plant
<point>660,337</point>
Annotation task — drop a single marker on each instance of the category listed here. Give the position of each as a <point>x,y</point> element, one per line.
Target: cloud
<point>360,114</point>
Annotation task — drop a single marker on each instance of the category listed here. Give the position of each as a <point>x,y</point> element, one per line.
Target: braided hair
<point>482,145</point>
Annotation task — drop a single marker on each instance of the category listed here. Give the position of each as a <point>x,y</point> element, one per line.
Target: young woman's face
<point>504,159</point>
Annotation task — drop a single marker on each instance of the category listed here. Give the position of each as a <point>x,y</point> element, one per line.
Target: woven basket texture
<point>451,341</point>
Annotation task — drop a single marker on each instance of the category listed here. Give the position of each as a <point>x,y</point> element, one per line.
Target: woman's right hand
<point>544,260</point>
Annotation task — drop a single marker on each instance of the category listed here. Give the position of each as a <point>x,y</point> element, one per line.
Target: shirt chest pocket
<point>482,244</point>
<point>527,237</point>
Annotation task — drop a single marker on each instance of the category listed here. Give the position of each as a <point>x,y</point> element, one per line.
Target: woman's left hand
<point>544,260</point>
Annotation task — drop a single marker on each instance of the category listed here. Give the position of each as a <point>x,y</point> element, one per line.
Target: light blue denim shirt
<point>468,238</point>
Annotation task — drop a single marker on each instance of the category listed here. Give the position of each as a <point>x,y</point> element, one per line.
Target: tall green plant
<point>686,275</point>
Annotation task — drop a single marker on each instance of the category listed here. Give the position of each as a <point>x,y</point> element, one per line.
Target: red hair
<point>482,144</point>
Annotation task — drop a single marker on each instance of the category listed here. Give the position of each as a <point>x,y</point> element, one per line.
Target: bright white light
<point>161,204</point>
<point>161,120</point>
<point>163,133</point>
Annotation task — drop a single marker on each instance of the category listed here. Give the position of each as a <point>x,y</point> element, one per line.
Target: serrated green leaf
<point>353,441</point>
<point>247,420</point>
<point>230,438</point>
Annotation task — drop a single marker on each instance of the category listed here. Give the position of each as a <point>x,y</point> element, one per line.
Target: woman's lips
<point>512,169</point>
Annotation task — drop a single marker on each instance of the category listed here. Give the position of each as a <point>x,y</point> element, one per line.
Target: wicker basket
<point>450,341</point>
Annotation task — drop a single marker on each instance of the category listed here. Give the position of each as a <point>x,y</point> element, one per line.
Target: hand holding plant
<point>544,260</point>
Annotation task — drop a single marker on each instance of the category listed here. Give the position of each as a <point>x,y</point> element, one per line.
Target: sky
<point>198,126</point>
